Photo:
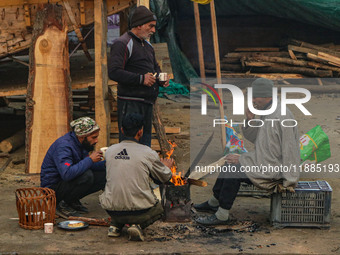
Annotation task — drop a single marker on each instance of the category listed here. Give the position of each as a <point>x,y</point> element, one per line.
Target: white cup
<point>103,150</point>
<point>48,227</point>
<point>163,77</point>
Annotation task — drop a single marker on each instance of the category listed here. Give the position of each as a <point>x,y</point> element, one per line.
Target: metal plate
<point>65,224</point>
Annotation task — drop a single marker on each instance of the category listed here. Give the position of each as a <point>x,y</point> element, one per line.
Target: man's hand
<point>169,162</point>
<point>96,156</point>
<point>149,79</point>
<point>232,158</point>
<point>249,114</point>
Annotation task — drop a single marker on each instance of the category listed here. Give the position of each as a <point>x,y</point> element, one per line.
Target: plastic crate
<point>309,206</point>
<point>249,190</point>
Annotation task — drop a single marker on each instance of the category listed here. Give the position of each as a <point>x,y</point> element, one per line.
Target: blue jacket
<point>65,160</point>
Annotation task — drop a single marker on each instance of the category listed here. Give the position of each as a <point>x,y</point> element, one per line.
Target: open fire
<point>176,179</point>
<point>176,198</point>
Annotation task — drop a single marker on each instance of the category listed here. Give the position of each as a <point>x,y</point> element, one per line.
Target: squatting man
<point>275,145</point>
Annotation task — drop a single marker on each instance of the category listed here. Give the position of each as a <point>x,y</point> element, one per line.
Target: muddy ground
<point>250,231</point>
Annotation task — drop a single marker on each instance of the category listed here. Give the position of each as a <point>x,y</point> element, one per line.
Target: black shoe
<point>211,220</point>
<point>78,206</point>
<point>205,207</point>
<point>65,211</point>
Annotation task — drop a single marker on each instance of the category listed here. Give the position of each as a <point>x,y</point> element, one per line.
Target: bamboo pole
<point>101,79</point>
<point>199,40</point>
<point>218,67</point>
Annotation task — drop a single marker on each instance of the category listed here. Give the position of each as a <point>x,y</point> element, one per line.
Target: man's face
<point>147,30</point>
<point>90,141</point>
<point>260,102</point>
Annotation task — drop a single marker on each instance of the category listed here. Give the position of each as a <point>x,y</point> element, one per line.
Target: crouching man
<point>131,167</point>
<point>70,171</point>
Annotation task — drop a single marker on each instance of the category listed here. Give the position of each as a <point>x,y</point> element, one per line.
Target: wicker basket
<point>35,206</point>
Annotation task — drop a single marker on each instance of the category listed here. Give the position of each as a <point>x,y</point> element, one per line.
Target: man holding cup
<point>73,169</point>
<point>133,65</point>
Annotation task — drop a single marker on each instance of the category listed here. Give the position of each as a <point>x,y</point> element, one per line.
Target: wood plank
<point>302,49</point>
<point>218,67</point>
<point>48,104</point>
<point>168,130</point>
<point>101,78</point>
<point>254,54</point>
<point>199,39</point>
<point>292,55</point>
<point>329,58</point>
<point>272,49</point>
<point>315,47</point>
<point>76,26</point>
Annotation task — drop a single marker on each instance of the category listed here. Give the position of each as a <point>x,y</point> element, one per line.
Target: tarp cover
<point>317,12</point>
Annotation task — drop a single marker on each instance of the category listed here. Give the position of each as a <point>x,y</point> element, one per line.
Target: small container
<point>48,227</point>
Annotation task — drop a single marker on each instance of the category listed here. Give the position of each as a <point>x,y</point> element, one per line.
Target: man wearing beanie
<point>70,171</point>
<point>275,146</point>
<point>133,65</point>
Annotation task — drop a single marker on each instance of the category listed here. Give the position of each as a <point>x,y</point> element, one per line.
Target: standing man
<point>133,65</point>
<point>275,146</point>
<point>128,197</point>
<point>70,171</point>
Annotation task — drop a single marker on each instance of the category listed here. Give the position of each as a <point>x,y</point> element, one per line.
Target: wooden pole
<point>101,79</point>
<point>218,67</point>
<point>199,39</point>
<point>49,94</point>
<point>146,3</point>
<point>160,131</point>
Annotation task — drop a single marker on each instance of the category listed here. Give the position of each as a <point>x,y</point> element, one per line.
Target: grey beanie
<point>141,16</point>
<point>262,87</point>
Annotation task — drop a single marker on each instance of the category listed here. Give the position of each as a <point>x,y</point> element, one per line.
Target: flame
<point>176,178</point>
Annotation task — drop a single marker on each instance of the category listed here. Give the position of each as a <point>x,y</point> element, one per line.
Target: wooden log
<point>332,60</point>
<point>290,69</point>
<point>101,79</point>
<point>14,142</point>
<point>48,104</point>
<point>292,55</point>
<point>315,47</point>
<point>302,49</point>
<point>272,76</point>
<point>160,132</point>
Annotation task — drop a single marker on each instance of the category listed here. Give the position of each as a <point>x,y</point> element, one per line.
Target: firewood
<point>13,142</point>
<point>254,54</point>
<point>160,131</point>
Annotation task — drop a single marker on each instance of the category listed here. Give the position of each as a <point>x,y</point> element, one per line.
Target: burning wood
<point>176,179</point>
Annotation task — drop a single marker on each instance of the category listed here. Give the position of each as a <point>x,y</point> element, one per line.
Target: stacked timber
<point>296,59</point>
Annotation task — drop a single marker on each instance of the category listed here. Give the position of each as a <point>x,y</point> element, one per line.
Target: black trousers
<point>125,107</point>
<point>83,185</point>
<point>227,186</point>
<point>145,219</point>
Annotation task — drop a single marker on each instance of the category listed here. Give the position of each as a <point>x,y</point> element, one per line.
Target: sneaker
<point>205,207</point>
<point>79,207</point>
<point>135,233</point>
<point>113,231</point>
<point>211,220</point>
<point>65,211</point>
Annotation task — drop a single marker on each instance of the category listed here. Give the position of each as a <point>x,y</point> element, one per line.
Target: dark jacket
<point>129,60</point>
<point>65,160</point>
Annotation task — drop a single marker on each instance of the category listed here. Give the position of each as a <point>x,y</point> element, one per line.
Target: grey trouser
<point>144,219</point>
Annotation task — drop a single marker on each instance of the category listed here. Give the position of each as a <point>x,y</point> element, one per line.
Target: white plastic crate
<point>309,206</point>
<point>249,190</point>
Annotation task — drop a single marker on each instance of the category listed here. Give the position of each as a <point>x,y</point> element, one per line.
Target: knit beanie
<point>141,16</point>
<point>262,87</point>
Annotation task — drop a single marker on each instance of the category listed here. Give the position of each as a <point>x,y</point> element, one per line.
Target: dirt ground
<point>252,232</point>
